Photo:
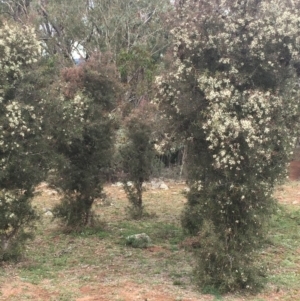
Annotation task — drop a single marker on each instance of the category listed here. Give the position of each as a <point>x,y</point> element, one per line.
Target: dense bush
<point>233,95</point>
<point>84,138</point>
<point>16,214</point>
<point>137,159</point>
<point>22,152</point>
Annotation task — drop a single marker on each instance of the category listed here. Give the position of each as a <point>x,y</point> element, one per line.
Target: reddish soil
<point>23,289</point>
<point>129,291</point>
<point>121,290</point>
<point>294,171</point>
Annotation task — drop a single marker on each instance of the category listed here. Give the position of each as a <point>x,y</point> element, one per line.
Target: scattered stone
<point>163,186</point>
<point>186,189</point>
<point>48,213</point>
<point>105,202</point>
<point>42,186</point>
<point>118,184</point>
<point>155,184</point>
<point>145,185</point>
<point>51,192</point>
<point>141,240</point>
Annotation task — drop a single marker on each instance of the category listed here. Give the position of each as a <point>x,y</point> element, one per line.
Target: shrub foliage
<point>83,138</point>
<point>22,155</point>
<point>232,94</point>
<point>137,159</point>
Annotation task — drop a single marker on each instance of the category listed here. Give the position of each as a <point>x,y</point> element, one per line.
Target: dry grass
<point>95,264</point>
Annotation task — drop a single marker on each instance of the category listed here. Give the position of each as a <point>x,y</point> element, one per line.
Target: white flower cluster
<point>74,111</point>
<point>18,123</point>
<point>6,206</point>
<point>234,80</point>
<point>18,48</point>
<point>241,123</point>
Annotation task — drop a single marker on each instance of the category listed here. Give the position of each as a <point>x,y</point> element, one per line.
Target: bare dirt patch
<point>294,171</point>
<point>129,291</point>
<point>288,194</point>
<point>23,291</point>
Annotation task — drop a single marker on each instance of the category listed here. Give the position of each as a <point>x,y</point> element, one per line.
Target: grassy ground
<point>95,264</point>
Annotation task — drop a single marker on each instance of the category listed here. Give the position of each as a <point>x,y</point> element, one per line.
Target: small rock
<point>155,184</point>
<point>164,186</point>
<point>141,240</point>
<point>48,213</point>
<point>144,185</point>
<point>51,192</point>
<point>118,184</point>
<point>40,188</point>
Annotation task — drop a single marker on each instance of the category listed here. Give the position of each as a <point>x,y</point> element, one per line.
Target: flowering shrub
<point>18,49</point>
<point>233,93</point>
<point>15,213</point>
<point>83,138</point>
<point>20,135</point>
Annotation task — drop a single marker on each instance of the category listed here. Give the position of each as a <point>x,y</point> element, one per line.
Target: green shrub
<point>83,138</point>
<point>23,155</point>
<point>16,215</point>
<point>137,160</point>
<point>232,95</point>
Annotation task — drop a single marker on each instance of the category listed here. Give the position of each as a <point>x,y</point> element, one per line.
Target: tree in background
<point>233,95</point>
<point>23,154</point>
<point>16,10</point>
<point>133,32</point>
